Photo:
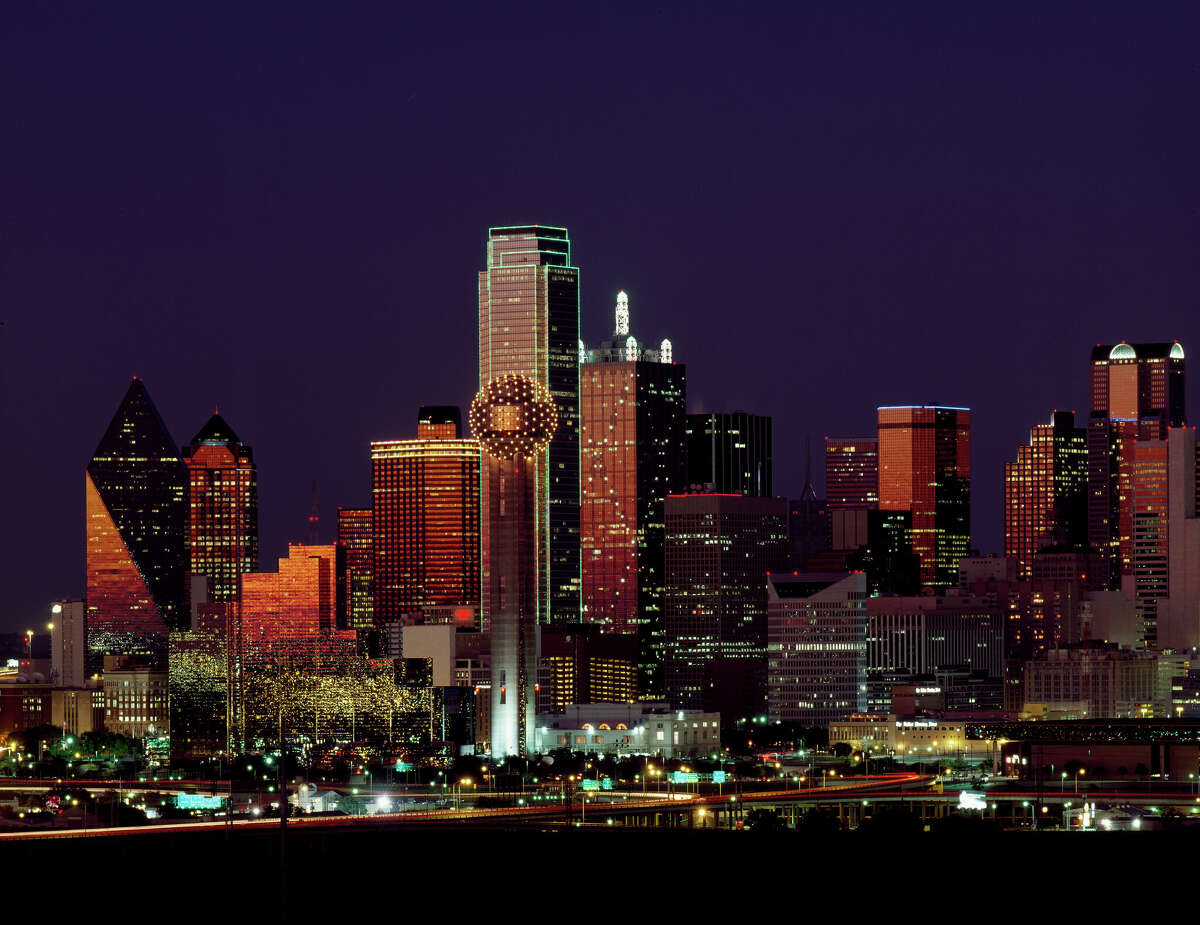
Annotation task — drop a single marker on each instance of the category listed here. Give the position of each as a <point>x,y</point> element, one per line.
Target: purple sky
<point>281,211</point>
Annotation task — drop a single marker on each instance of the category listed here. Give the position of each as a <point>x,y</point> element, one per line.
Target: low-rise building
<point>630,729</point>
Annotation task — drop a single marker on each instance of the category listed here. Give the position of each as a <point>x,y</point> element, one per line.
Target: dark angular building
<point>1137,393</point>
<point>730,453</point>
<point>632,409</point>
<point>719,549</point>
<point>222,531</point>
<point>136,541</point>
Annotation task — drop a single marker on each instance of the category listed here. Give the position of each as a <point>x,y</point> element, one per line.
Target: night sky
<point>281,209</point>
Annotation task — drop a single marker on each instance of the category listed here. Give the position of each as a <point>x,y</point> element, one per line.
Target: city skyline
<point>258,265</point>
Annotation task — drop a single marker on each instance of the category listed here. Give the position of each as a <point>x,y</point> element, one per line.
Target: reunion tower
<point>513,418</point>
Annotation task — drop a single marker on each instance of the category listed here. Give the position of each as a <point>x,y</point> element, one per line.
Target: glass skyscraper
<point>1137,393</point>
<point>529,325</point>
<point>730,453</point>
<point>632,411</point>
<point>135,526</point>
<point>425,521</point>
<point>925,467</point>
<point>1045,492</point>
<point>222,535</point>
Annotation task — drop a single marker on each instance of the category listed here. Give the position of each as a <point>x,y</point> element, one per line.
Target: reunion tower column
<point>513,418</point>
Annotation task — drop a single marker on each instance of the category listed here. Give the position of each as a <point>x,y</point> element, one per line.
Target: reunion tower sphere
<point>513,416</point>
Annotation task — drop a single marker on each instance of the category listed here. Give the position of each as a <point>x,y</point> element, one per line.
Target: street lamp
<point>1077,773</point>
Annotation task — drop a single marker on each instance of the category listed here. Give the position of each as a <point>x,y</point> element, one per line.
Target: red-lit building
<point>925,467</point>
<point>222,531</point>
<point>1045,492</point>
<point>851,473</point>
<point>356,537</point>
<point>425,519</point>
<point>632,404</point>
<point>1137,393</point>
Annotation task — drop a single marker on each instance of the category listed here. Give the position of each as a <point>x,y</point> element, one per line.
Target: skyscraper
<point>925,467</point>
<point>1137,392</point>
<point>730,453</point>
<point>1166,540</point>
<point>425,519</point>
<point>222,533</point>
<point>529,325</point>
<point>136,515</point>
<point>719,549</point>
<point>356,536</point>
<point>815,647</point>
<point>632,411</point>
<point>851,472</point>
<point>1045,492</point>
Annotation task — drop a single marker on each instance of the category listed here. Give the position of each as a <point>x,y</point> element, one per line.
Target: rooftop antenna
<point>622,313</point>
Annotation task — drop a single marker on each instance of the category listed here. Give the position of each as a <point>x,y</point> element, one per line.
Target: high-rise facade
<point>851,472</point>
<point>222,530</point>
<point>633,454</point>
<point>68,644</point>
<point>356,536</point>
<point>719,549</point>
<point>135,525</point>
<point>925,468</point>
<point>1045,492</point>
<point>815,647</point>
<point>425,520</point>
<point>529,325</point>
<point>730,453</point>
<point>1166,541</point>
<point>1137,392</point>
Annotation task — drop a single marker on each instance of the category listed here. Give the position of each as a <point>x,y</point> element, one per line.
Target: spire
<point>216,430</point>
<point>622,313</point>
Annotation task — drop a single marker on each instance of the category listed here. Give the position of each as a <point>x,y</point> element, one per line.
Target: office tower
<point>425,518</point>
<point>1091,681</point>
<point>632,409</point>
<point>222,531</point>
<point>136,517</point>
<point>719,549</point>
<point>730,453</point>
<point>925,467</point>
<point>514,419</point>
<point>851,472</point>
<point>300,678</point>
<point>1166,541</point>
<point>1137,392</point>
<point>135,697</point>
<point>296,603</point>
<point>68,644</point>
<point>808,528</point>
<point>815,647</point>
<point>926,634</point>
<point>529,325</point>
<point>356,537</point>
<point>1045,492</point>
<point>580,664</point>
<point>198,681</point>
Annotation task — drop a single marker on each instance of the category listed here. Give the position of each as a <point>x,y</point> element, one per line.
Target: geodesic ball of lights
<point>513,416</point>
